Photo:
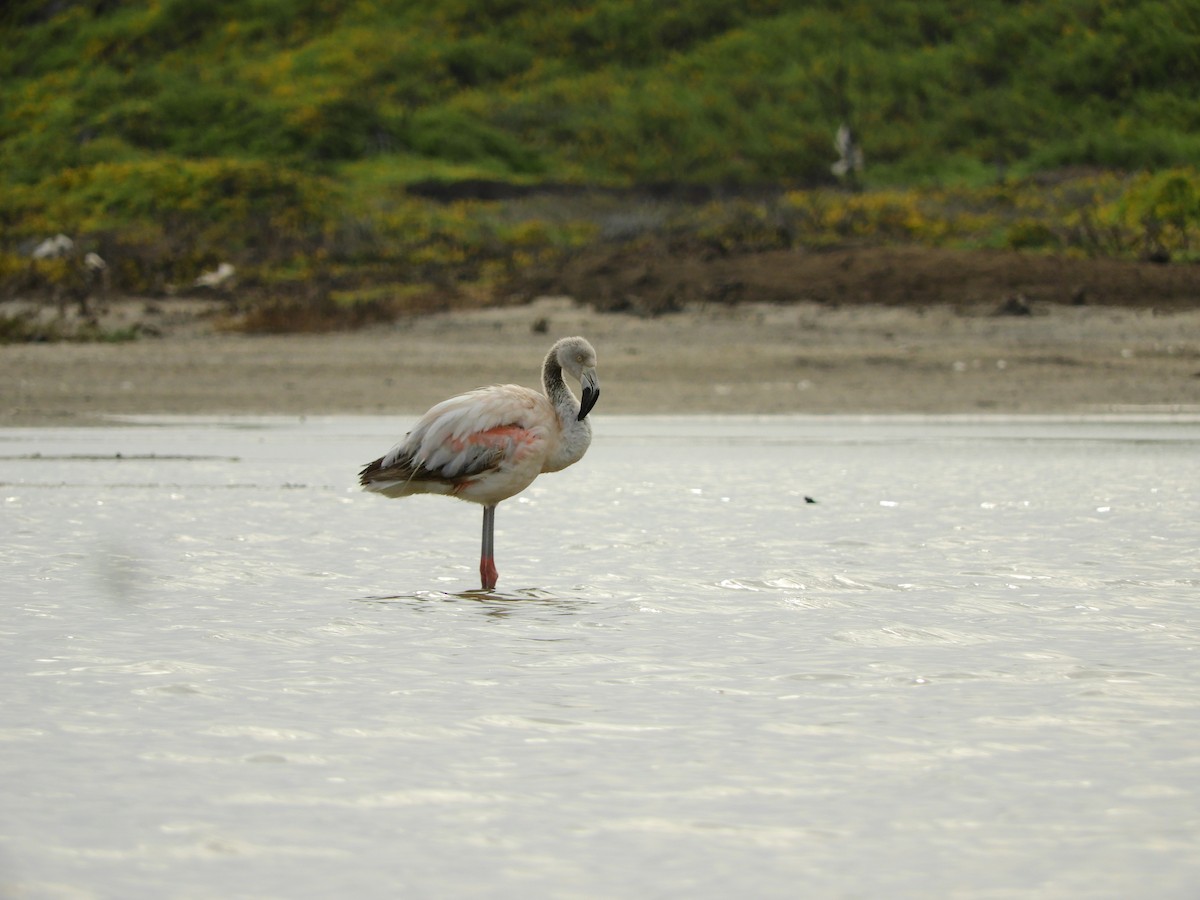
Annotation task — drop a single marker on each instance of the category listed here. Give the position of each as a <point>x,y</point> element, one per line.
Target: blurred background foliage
<point>397,155</point>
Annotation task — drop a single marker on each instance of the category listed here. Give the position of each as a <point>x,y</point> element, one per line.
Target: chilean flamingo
<point>491,443</point>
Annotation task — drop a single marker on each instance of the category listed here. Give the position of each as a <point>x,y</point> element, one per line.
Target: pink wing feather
<point>464,439</point>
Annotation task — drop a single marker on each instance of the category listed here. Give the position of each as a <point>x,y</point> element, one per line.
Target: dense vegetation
<point>284,135</point>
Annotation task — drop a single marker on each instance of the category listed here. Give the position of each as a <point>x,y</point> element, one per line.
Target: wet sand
<point>747,358</point>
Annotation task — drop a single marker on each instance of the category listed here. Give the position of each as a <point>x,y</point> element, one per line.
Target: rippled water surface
<point>970,669</point>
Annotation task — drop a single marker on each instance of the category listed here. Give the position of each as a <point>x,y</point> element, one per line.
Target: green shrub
<point>441,133</point>
<point>1031,234</point>
<point>1164,209</point>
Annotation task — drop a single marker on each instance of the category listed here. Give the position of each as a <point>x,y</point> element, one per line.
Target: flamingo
<point>489,444</point>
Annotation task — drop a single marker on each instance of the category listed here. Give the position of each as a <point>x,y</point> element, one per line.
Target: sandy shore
<point>796,358</point>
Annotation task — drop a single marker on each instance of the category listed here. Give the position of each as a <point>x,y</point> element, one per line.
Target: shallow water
<point>970,669</point>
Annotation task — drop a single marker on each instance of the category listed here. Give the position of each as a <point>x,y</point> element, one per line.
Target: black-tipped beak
<point>591,393</point>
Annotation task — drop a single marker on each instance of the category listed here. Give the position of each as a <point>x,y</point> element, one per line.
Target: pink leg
<point>487,562</point>
<point>488,573</point>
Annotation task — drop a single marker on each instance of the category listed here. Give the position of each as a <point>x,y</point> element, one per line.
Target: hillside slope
<point>335,153</point>
<point>609,90</point>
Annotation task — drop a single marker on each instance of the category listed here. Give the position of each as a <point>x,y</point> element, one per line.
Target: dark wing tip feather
<point>364,477</point>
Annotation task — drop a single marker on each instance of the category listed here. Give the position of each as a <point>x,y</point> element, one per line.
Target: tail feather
<point>400,478</point>
<point>375,471</point>
<point>364,477</point>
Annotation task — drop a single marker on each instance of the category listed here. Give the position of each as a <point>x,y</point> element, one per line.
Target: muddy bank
<point>799,357</point>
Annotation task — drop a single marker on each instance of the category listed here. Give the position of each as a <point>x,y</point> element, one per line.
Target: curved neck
<point>556,389</point>
<point>574,435</point>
